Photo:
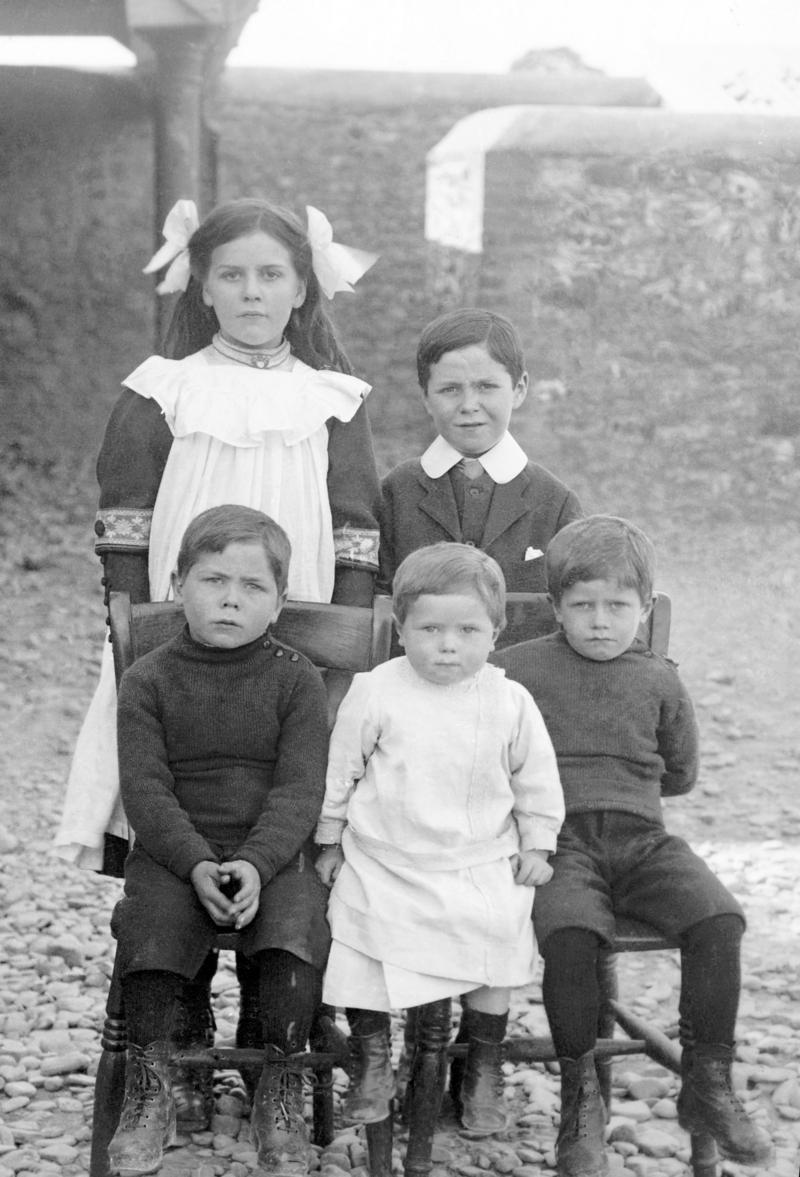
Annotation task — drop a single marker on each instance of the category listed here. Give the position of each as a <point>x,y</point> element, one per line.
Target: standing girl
<point>255,405</point>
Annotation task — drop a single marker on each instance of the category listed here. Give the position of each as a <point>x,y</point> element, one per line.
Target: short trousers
<point>160,923</point>
<point>611,863</point>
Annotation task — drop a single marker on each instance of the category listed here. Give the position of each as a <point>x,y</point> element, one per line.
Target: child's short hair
<point>214,529</point>
<point>468,327</point>
<point>601,547</point>
<point>443,568</point>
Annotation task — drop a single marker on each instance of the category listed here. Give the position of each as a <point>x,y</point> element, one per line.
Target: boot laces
<point>144,1089</point>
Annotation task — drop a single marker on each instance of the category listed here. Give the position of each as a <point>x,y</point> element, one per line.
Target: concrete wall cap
<point>593,131</point>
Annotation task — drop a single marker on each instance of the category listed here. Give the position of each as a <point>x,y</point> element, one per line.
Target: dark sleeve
<point>354,494</point>
<point>388,549</point>
<point>147,786</point>
<point>294,800</point>
<point>129,469</point>
<point>678,742</point>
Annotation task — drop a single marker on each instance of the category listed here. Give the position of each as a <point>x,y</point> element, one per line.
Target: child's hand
<point>531,868</point>
<point>246,883</point>
<point>329,864</point>
<point>207,881</point>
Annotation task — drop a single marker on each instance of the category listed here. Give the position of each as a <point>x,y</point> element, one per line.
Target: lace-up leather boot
<point>371,1078</point>
<point>708,1103</point>
<point>147,1120</point>
<point>580,1145</point>
<point>277,1122</point>
<point>481,1096</point>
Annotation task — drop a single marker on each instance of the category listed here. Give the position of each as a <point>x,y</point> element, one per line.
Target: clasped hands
<point>229,891</point>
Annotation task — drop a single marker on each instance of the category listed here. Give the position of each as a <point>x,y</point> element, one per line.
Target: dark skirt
<point>160,924</point>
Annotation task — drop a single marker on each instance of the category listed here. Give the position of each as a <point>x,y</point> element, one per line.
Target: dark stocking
<point>711,978</point>
<point>570,990</point>
<point>150,999</point>
<point>289,993</point>
<point>364,1022</point>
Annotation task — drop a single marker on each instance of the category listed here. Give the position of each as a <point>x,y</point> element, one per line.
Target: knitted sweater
<point>222,753</point>
<point>624,731</point>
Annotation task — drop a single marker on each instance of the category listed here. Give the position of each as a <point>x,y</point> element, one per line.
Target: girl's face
<point>253,288</point>
<point>470,397</point>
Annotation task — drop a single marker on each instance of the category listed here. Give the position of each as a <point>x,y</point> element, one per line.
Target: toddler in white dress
<point>442,805</point>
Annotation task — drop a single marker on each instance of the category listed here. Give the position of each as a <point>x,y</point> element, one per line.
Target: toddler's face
<point>229,597</point>
<point>471,397</point>
<point>600,619</point>
<point>447,638</point>
<point>253,287</point>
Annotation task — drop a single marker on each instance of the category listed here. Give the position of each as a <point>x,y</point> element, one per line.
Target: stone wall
<point>656,290</point>
<point>652,263</point>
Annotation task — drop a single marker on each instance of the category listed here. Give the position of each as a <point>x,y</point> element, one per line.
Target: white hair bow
<point>181,222</point>
<point>336,266</point>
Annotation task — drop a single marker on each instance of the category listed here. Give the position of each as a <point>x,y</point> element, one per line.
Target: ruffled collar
<point>241,406</point>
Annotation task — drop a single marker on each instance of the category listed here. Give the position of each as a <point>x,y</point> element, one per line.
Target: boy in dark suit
<point>474,484</point>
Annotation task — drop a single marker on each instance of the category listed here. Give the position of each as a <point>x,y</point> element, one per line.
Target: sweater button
<point>279,653</point>
<point>294,658</point>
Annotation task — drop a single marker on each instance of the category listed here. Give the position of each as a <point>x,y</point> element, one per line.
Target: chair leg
<point>325,1036</point>
<point>608,986</point>
<point>109,1091</point>
<point>379,1148</point>
<point>704,1159</point>
<point>426,1084</point>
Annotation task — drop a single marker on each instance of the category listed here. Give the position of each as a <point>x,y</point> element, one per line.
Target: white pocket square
<point>533,553</point>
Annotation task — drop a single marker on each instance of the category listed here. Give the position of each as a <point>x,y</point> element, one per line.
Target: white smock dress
<point>240,435</point>
<point>431,790</point>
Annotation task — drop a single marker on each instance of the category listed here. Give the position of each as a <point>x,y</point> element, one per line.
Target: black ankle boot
<point>371,1087</point>
<point>481,1096</point>
<point>580,1146</point>
<point>277,1121</point>
<point>147,1120</point>
<point>708,1103</point>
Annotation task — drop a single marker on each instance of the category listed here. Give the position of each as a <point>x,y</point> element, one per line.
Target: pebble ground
<point>56,952</point>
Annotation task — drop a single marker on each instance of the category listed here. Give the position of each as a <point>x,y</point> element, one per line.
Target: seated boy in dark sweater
<point>222,747</point>
<point>624,732</point>
<point>474,484</point>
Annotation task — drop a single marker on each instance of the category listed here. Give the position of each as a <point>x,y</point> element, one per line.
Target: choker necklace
<point>267,358</point>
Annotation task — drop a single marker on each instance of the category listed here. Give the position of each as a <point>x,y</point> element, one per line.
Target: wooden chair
<point>428,1026</point>
<point>336,638</point>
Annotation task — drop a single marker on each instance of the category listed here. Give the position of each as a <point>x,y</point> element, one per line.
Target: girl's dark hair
<point>309,330</point>
<point>214,529</point>
<point>600,547</point>
<point>468,327</point>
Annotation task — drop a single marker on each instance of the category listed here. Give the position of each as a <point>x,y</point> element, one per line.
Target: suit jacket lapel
<point>439,503</point>
<point>509,504</point>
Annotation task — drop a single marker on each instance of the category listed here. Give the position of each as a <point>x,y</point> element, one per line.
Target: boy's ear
<point>398,630</point>
<point>176,586</point>
<point>647,607</point>
<point>521,390</point>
